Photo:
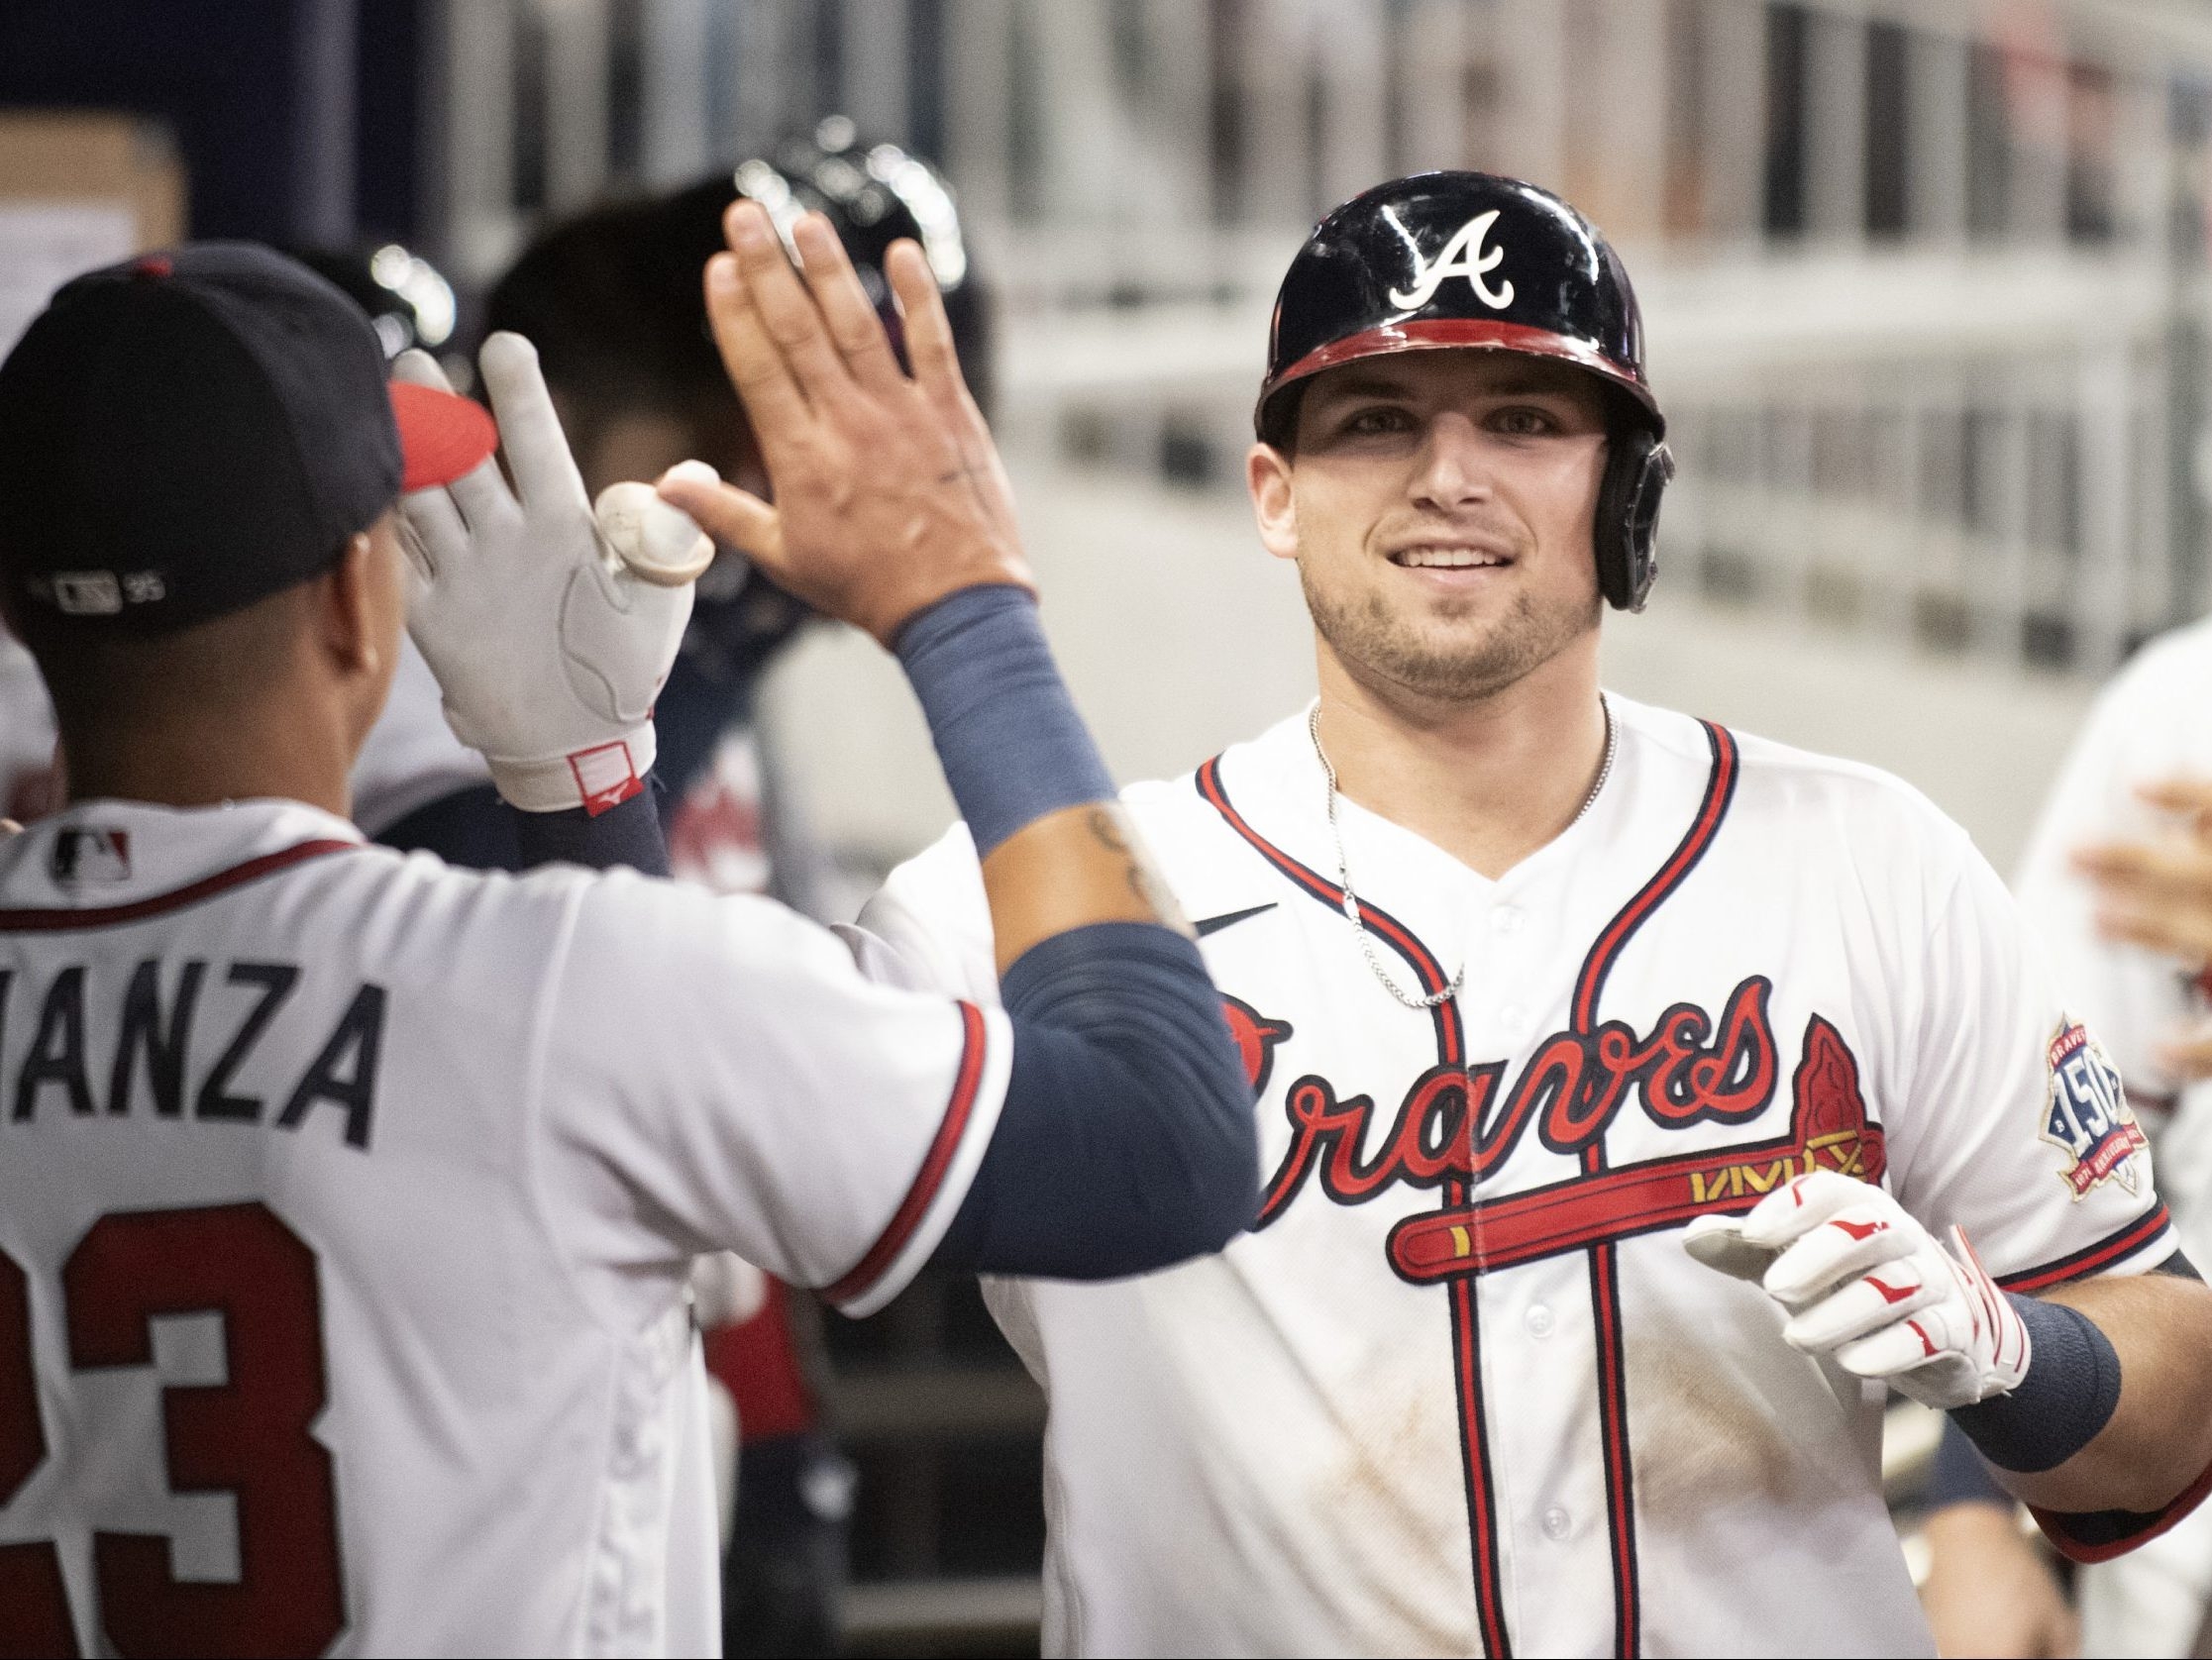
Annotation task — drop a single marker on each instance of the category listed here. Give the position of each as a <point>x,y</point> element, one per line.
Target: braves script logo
<point>1256,1039</point>
<point>1689,1068</point>
<point>2087,1115</point>
<point>1463,256</point>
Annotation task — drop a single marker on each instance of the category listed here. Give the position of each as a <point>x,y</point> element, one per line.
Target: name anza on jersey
<point>1450,1126</point>
<point>200,1051</point>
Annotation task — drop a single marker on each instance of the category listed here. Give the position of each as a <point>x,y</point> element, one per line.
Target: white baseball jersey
<point>347,1204</point>
<point>1461,1390</point>
<point>2147,725</point>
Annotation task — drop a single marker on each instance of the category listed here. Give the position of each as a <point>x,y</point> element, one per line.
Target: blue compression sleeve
<point>2070,1392</point>
<point>1127,1141</point>
<point>1008,735</point>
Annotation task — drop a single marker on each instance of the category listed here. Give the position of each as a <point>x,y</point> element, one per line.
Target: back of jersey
<point>292,1357</point>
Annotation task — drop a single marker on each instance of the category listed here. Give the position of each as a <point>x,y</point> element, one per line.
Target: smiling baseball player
<point>348,1200</point>
<point>1538,989</point>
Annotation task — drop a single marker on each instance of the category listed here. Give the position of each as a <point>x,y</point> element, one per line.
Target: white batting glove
<point>1867,1284</point>
<point>548,641</point>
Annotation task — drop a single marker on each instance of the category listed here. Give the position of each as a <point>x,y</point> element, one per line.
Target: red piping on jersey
<point>2056,1526</point>
<point>1720,790</point>
<point>869,1269</point>
<point>1605,1281</point>
<point>61,920</point>
<point>1452,1050</point>
<point>2143,1230</point>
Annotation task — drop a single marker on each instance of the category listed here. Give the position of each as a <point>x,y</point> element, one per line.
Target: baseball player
<point>2114,804</point>
<point>1538,987</point>
<point>348,1199</point>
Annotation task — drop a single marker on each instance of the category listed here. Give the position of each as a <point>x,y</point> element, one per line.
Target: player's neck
<point>1489,781</point>
<point>265,753</point>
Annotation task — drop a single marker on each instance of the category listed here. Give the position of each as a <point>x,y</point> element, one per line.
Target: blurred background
<point>1927,291</point>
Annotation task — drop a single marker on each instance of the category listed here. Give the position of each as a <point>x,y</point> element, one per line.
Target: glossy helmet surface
<point>1474,260</point>
<point>874,194</point>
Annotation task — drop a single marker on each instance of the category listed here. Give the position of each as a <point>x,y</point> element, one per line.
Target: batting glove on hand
<point>1865,1282</point>
<point>549,641</point>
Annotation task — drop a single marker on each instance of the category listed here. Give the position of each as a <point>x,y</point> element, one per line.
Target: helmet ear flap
<point>1627,528</point>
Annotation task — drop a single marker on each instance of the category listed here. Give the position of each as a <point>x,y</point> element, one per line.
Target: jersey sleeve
<point>2013,1122</point>
<point>719,1074</point>
<point>2132,998</point>
<point>930,923</point>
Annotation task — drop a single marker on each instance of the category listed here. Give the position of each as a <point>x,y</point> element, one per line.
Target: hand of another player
<point>1865,1282</point>
<point>548,644</point>
<point>2158,893</point>
<point>1989,1591</point>
<point>889,493</point>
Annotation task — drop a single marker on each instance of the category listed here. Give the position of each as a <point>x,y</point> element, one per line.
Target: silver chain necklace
<point>1344,869</point>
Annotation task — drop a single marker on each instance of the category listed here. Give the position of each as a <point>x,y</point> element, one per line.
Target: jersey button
<point>1506,919</point>
<point>1556,1523</point>
<point>1540,1320</point>
<point>1512,1019</point>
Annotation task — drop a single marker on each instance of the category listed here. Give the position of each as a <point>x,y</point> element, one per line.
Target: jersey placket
<point>1517,1321</point>
<point>1477,1432</point>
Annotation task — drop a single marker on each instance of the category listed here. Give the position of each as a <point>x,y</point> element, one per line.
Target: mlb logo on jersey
<point>92,854</point>
<point>2088,1117</point>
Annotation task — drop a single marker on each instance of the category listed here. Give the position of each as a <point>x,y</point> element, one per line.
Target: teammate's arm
<point>1127,1138</point>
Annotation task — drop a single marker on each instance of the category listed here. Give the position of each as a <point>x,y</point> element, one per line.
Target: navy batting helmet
<point>1472,260</point>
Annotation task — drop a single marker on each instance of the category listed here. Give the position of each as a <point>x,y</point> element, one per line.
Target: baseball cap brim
<point>442,436</point>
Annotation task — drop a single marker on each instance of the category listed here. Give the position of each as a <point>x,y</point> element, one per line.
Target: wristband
<point>2069,1394</point>
<point>1008,735</point>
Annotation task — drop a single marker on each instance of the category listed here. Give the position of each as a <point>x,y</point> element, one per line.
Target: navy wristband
<point>2070,1392</point>
<point>1959,1475</point>
<point>1007,734</point>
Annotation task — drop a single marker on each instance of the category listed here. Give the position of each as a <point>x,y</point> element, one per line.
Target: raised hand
<point>548,641</point>
<point>889,493</point>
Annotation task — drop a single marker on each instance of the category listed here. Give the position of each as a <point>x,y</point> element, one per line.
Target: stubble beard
<point>1374,642</point>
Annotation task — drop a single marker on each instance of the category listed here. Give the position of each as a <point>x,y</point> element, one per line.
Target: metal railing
<point>1924,277</point>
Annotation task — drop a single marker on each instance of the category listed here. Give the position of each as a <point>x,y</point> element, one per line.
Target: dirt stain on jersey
<point>1374,1490</point>
<point>1706,1436</point>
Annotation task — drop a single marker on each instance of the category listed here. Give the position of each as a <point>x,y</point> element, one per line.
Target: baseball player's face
<point>1439,506</point>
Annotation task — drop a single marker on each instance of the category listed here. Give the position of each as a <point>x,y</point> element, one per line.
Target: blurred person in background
<point>611,298</point>
<point>2112,886</point>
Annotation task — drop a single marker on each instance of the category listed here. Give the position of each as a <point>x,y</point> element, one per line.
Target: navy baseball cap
<point>188,432</point>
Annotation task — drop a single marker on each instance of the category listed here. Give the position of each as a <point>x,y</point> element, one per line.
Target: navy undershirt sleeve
<point>478,831</point>
<point>628,834</point>
<point>1127,1140</point>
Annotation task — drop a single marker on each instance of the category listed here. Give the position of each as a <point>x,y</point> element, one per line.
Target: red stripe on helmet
<point>1424,333</point>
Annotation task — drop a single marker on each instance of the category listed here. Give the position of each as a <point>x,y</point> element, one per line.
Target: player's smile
<point>1452,565</point>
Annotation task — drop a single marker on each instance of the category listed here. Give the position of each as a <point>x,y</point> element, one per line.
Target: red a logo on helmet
<point>1463,256</point>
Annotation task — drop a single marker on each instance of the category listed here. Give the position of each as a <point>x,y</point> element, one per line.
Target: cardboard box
<point>78,189</point>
